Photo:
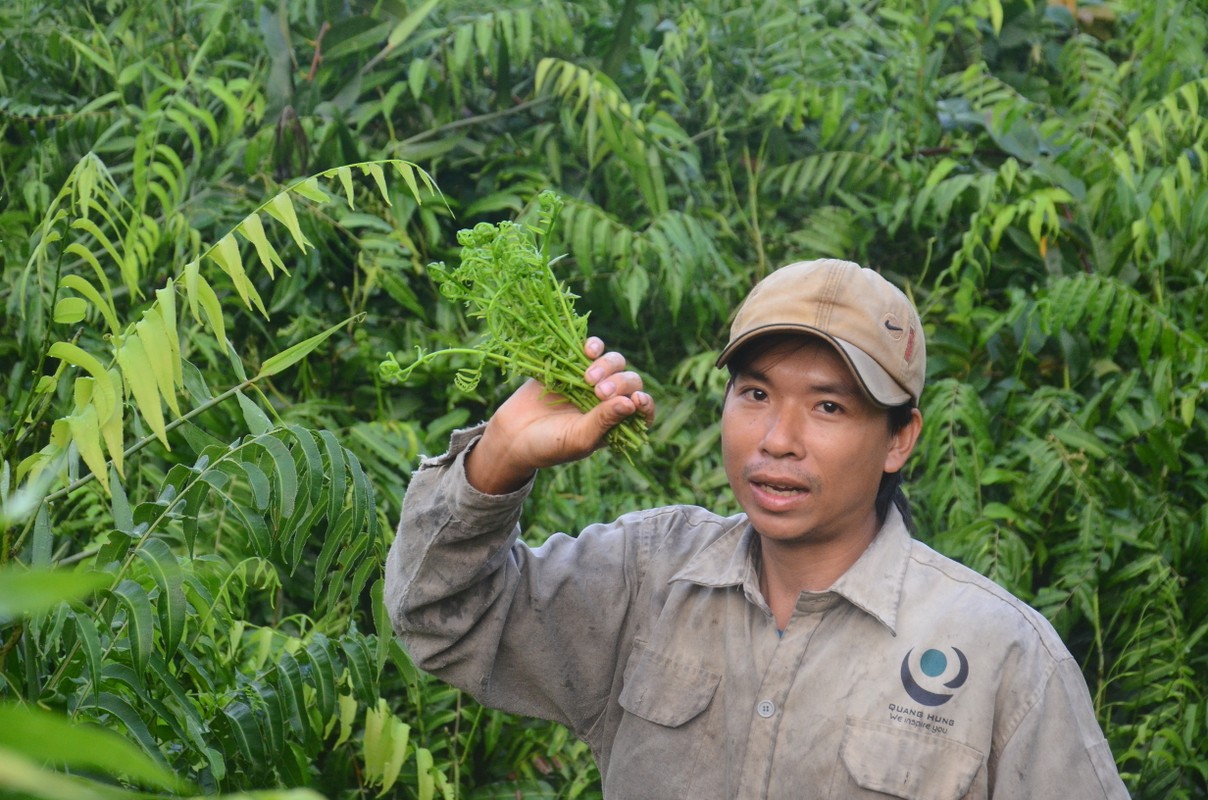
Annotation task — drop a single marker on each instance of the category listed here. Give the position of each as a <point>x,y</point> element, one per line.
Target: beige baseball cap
<point>872,324</point>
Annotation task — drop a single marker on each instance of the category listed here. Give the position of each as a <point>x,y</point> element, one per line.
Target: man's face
<point>804,448</point>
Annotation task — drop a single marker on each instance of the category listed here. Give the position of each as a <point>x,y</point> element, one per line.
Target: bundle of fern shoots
<point>505,278</point>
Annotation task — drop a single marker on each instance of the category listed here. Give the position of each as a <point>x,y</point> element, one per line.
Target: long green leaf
<point>27,778</point>
<point>290,681</point>
<point>246,732</point>
<point>253,416</point>
<point>410,23</point>
<point>424,765</point>
<point>281,208</point>
<point>310,464</point>
<point>90,645</point>
<point>226,254</point>
<point>104,395</point>
<point>335,472</point>
<point>359,662</point>
<point>140,375</point>
<point>323,678</point>
<point>272,718</point>
<point>163,352</point>
<point>339,532</point>
<point>166,298</point>
<point>292,355</point>
<point>120,708</point>
<point>140,622</point>
<point>259,483</point>
<point>170,605</point>
<point>42,543</point>
<point>382,625</point>
<point>284,473</point>
<point>253,230</point>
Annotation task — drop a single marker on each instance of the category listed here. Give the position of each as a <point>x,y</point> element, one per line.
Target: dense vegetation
<point>216,218</point>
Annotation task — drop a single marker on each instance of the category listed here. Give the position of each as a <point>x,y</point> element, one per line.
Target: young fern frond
<point>532,328</point>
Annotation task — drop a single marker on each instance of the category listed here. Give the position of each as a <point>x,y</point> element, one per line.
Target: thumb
<point>611,413</point>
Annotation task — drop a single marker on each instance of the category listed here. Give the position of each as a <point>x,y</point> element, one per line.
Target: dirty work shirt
<point>912,677</point>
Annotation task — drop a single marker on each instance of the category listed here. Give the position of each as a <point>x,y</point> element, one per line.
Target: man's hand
<point>535,428</point>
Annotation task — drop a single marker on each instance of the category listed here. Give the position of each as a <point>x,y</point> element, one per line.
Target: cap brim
<point>880,386</point>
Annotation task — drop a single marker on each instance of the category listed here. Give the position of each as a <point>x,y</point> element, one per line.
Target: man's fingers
<point>645,404</point>
<point>620,390</point>
<point>608,364</point>
<point>618,384</point>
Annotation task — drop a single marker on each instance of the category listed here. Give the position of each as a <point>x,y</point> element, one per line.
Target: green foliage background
<point>215,221</point>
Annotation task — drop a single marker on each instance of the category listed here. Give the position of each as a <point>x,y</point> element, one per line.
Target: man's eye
<point>757,394</point>
<point>830,407</point>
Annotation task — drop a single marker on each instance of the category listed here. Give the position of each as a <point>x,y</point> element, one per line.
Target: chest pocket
<point>664,690</point>
<point>668,738</point>
<point>905,764</point>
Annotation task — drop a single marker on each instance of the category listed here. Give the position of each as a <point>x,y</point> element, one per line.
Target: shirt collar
<point>873,584</point>
<point>726,561</point>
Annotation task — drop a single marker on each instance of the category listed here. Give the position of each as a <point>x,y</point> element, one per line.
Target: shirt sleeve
<point>475,606</point>
<point>1058,748</point>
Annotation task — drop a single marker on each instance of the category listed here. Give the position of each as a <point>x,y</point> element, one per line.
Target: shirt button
<point>766,709</point>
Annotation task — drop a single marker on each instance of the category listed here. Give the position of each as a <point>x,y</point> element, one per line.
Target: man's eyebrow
<point>841,389</point>
<point>747,373</point>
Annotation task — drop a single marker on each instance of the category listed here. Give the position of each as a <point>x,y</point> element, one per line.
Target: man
<point>808,647</point>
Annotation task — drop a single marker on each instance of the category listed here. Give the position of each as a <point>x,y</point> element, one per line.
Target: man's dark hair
<point>890,490</point>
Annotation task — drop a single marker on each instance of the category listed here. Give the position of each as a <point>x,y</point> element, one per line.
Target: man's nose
<point>785,435</point>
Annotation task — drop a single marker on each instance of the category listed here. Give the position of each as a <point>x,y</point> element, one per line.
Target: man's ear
<point>901,445</point>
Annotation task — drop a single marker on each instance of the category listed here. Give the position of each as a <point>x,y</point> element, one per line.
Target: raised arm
<point>472,603</point>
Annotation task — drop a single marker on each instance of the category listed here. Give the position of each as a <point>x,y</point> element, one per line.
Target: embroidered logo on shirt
<point>932,677</point>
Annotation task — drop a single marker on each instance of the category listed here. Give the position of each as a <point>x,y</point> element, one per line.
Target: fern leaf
<point>170,603</point>
<point>140,377</point>
<point>162,347</point>
<point>140,625</point>
<point>253,230</point>
<point>202,299</point>
<point>226,254</point>
<point>281,208</point>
